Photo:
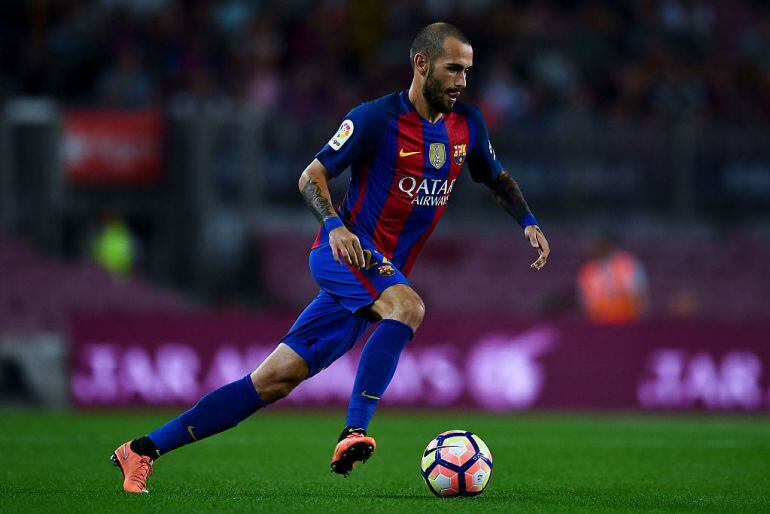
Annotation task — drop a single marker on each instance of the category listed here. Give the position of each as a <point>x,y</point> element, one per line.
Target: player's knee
<point>274,384</point>
<point>279,374</point>
<point>417,312</point>
<point>401,303</point>
<point>280,390</point>
<point>410,310</point>
<point>272,389</point>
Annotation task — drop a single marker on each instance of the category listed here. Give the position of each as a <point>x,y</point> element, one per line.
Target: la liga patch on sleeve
<point>342,135</point>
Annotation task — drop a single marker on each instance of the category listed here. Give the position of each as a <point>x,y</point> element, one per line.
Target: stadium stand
<point>39,294</point>
<point>714,274</point>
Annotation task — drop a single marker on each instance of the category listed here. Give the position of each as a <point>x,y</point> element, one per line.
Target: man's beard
<point>434,94</point>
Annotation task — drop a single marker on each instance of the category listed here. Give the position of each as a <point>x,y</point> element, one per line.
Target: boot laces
<point>142,470</point>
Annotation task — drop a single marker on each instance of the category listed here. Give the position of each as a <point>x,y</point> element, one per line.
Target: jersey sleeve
<point>482,160</point>
<point>358,134</point>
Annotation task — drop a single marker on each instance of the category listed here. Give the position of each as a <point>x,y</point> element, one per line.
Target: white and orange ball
<point>456,463</point>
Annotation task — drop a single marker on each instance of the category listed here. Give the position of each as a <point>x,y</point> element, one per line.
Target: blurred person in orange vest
<point>612,284</point>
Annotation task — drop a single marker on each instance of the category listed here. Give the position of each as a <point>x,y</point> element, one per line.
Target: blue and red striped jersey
<point>403,171</point>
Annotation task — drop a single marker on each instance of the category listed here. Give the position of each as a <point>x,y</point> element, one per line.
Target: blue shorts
<point>355,288</point>
<point>336,319</point>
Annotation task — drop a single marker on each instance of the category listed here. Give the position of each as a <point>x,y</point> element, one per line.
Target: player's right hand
<point>346,246</point>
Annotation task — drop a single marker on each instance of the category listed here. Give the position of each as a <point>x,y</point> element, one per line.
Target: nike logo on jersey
<point>190,430</point>
<point>125,454</point>
<point>402,153</point>
<point>370,396</point>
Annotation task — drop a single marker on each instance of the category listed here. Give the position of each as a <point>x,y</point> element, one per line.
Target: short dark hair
<point>430,40</point>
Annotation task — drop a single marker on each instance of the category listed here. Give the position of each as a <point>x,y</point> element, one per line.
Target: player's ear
<point>421,64</point>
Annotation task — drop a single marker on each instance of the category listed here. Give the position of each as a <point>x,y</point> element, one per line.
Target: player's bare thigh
<point>279,373</point>
<point>402,303</point>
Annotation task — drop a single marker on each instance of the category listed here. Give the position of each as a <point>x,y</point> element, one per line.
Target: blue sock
<point>219,410</point>
<point>375,370</point>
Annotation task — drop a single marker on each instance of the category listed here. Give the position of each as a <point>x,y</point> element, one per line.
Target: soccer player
<point>405,151</point>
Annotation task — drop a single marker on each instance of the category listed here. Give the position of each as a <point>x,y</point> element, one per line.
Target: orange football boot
<point>135,468</point>
<point>354,447</point>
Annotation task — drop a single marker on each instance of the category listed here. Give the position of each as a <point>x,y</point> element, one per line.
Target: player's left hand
<point>537,240</point>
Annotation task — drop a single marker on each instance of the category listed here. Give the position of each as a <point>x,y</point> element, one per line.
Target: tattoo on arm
<point>319,205</point>
<point>506,192</point>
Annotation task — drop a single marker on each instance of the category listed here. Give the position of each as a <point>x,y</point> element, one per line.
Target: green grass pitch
<point>278,461</point>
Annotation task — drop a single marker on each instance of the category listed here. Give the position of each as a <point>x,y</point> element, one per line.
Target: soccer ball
<point>456,463</point>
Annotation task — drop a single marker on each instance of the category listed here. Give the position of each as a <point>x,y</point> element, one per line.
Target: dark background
<point>646,120</point>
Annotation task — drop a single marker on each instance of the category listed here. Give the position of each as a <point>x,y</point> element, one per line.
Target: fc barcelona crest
<point>458,154</point>
<point>437,154</point>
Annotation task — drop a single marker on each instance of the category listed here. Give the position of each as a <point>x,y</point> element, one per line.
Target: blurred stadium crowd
<point>539,62</point>
<point>647,117</point>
